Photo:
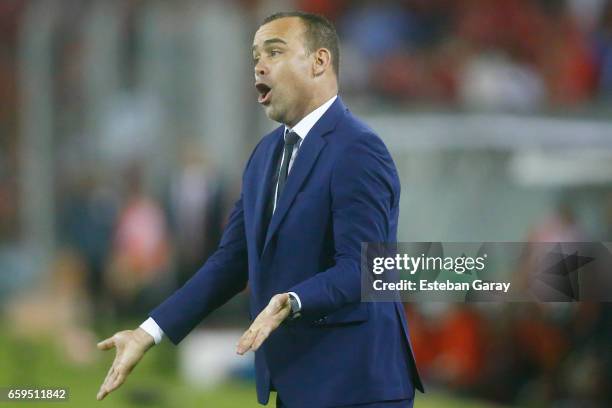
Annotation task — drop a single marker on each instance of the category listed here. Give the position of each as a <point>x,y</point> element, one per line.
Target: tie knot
<point>291,138</point>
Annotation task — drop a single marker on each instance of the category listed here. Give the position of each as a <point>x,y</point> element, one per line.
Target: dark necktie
<point>280,176</point>
<point>291,139</point>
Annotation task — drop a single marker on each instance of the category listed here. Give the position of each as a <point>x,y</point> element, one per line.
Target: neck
<point>317,99</point>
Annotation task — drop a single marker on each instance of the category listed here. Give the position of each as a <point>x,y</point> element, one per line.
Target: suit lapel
<point>264,192</point>
<point>306,157</point>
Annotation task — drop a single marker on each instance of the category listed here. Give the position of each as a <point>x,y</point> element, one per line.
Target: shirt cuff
<point>152,328</point>
<point>299,302</point>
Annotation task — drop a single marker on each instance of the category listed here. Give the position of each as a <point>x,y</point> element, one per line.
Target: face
<point>283,70</point>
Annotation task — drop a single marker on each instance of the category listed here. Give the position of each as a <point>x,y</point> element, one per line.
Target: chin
<point>273,114</point>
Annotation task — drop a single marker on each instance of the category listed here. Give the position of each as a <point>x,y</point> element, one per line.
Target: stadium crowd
<point>127,248</point>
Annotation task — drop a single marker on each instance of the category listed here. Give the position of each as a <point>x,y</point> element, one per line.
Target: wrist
<point>144,338</point>
<point>295,306</point>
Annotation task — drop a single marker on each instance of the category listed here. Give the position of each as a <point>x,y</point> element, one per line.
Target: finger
<point>104,387</point>
<point>106,344</point>
<point>281,314</point>
<point>261,337</point>
<point>246,340</point>
<point>102,391</point>
<point>281,304</point>
<point>119,381</point>
<point>110,383</point>
<point>101,394</point>
<point>277,302</point>
<point>105,384</point>
<point>283,299</point>
<point>113,368</point>
<point>108,375</point>
<point>116,381</point>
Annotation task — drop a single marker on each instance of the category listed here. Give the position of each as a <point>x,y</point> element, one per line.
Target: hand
<point>131,346</point>
<point>268,320</point>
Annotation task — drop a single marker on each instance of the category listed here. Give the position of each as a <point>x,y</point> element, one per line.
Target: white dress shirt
<point>302,128</point>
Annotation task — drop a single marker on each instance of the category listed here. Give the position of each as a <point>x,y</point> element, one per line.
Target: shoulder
<point>269,139</point>
<point>355,139</point>
<point>354,134</point>
<point>264,143</point>
<point>362,154</point>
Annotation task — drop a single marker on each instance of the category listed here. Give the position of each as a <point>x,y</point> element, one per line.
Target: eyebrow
<point>271,41</point>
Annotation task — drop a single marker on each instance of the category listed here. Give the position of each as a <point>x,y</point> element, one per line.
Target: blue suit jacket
<point>342,190</point>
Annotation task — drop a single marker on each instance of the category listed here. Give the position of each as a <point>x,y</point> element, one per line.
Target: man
<point>313,190</point>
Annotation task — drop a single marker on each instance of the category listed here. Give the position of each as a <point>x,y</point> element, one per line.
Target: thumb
<point>277,303</point>
<point>106,344</point>
<point>283,300</point>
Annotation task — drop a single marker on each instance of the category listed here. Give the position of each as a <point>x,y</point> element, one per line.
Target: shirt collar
<point>303,126</point>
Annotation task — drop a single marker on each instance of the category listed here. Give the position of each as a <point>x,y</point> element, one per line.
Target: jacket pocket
<point>352,314</point>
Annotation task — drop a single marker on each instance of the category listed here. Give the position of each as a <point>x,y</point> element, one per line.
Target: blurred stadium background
<point>125,126</point>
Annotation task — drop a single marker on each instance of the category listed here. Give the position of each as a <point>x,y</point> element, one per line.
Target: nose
<point>260,69</point>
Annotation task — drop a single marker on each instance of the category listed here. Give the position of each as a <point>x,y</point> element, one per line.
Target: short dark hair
<point>320,33</point>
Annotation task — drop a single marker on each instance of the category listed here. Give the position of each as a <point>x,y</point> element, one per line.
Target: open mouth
<point>264,93</point>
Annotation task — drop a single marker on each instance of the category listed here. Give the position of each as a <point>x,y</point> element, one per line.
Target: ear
<point>322,61</point>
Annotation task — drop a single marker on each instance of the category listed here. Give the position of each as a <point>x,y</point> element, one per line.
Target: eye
<point>274,53</point>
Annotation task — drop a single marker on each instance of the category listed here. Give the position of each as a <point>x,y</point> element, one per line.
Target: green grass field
<point>154,383</point>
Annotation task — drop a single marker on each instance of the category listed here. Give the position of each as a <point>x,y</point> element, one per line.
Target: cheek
<point>294,84</point>
<point>295,72</point>
<point>291,80</point>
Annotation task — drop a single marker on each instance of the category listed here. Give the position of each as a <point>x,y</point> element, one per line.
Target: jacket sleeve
<point>223,275</point>
<point>365,189</point>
